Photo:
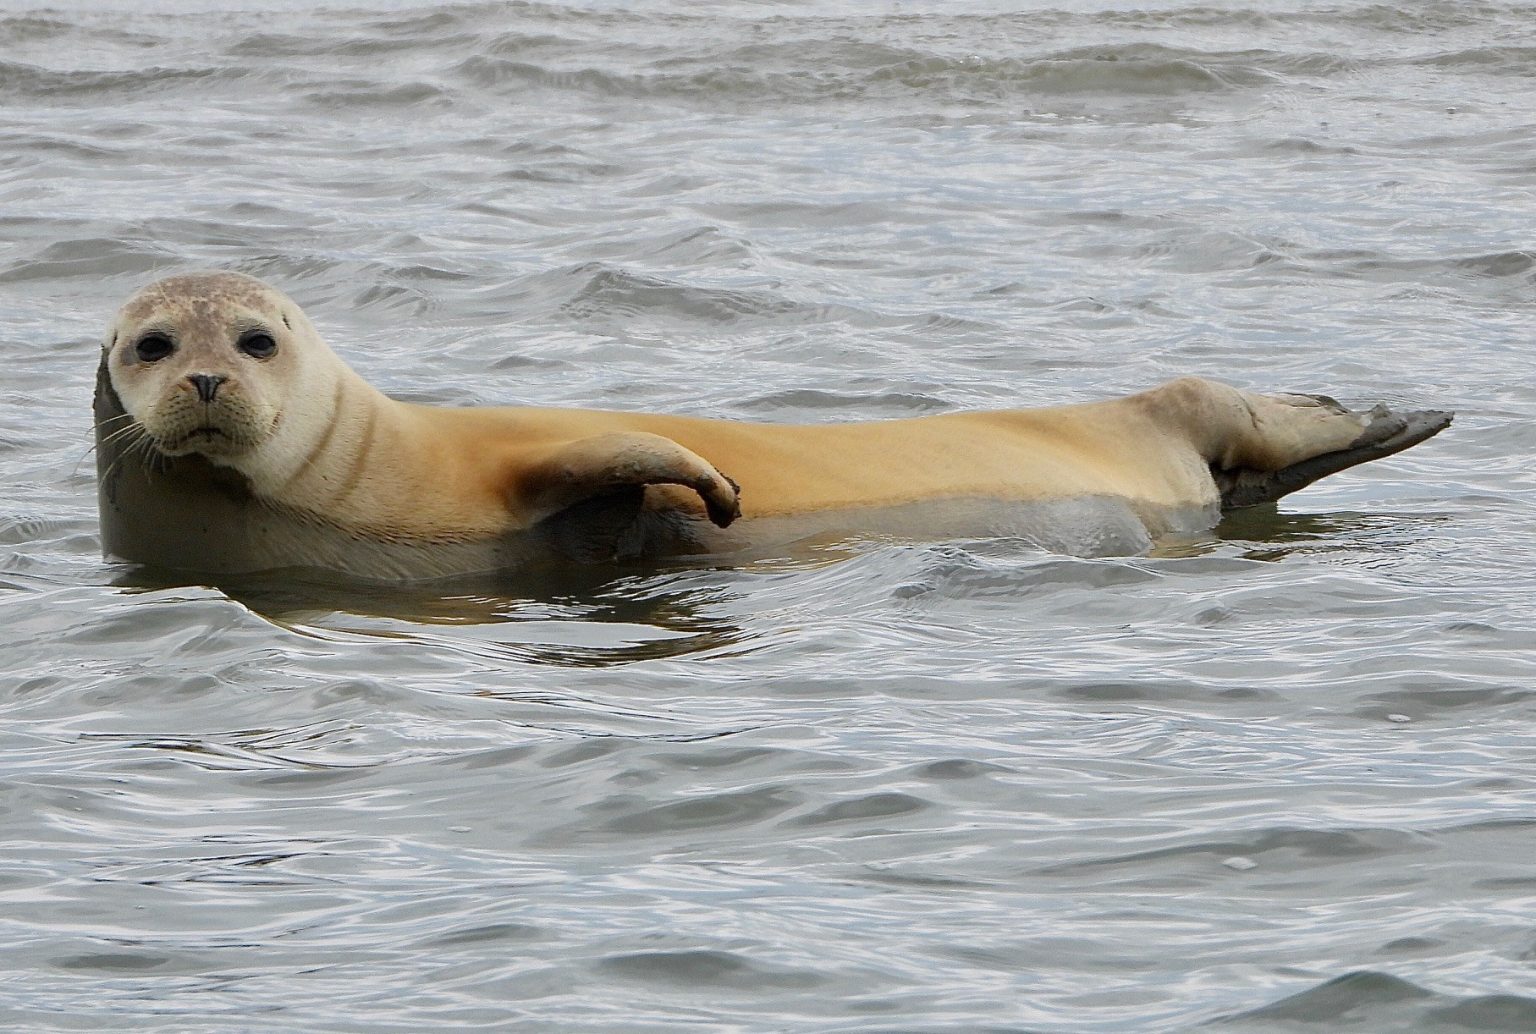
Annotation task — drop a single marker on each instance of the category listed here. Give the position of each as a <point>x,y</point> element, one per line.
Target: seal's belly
<point>1087,526</point>
<point>211,526</point>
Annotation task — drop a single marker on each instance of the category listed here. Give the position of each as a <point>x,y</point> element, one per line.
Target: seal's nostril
<point>207,385</point>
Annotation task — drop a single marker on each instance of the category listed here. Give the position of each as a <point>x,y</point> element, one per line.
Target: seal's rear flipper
<point>1387,432</point>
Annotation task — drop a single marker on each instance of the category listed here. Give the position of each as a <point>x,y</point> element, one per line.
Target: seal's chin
<point>207,440</point>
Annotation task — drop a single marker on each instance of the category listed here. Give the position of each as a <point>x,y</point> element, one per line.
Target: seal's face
<point>203,363</point>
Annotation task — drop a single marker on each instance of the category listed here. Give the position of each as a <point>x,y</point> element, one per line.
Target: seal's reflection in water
<point>581,616</point>
<point>1265,533</point>
<point>603,615</point>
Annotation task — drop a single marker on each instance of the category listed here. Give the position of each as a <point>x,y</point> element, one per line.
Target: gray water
<point>1281,777</point>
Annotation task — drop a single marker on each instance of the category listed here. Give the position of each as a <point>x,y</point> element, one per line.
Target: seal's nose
<point>207,385</point>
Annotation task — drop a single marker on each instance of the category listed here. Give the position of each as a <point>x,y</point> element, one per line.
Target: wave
<point>18,79</point>
<point>805,58</point>
<point>1371,1000</point>
<point>597,291</point>
<point>1517,60</point>
<point>805,71</point>
<point>1493,266</point>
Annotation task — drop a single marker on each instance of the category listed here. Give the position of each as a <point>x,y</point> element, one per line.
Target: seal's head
<point>207,363</point>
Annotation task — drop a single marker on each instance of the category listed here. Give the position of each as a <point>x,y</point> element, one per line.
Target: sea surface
<point>1278,777</point>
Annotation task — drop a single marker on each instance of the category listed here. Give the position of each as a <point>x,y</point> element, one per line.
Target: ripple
<point>1508,60</point>
<point>702,968</point>
<point>600,291</point>
<point>1372,1000</point>
<point>23,80</point>
<point>92,257</point>
<point>833,67</point>
<point>1343,997</point>
<point>1286,850</point>
<point>715,811</point>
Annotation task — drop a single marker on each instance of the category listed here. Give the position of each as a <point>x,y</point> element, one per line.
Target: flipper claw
<point>1387,432</point>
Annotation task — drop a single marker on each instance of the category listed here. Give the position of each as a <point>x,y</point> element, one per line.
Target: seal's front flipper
<point>617,466</point>
<point>1386,433</point>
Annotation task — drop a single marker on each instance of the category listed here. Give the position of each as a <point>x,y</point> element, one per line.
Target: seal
<point>231,439</point>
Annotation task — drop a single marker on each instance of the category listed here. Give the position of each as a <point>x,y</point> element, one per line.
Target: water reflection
<point>577,616</point>
<point>595,616</point>
<point>1266,533</point>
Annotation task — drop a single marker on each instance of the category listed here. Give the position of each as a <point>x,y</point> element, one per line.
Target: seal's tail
<point>1387,432</point>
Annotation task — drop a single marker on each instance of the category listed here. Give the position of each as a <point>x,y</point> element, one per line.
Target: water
<point>1280,777</point>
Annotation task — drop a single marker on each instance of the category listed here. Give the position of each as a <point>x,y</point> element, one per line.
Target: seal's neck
<point>314,456</point>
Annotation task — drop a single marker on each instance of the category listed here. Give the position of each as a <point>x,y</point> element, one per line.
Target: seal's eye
<point>153,347</point>
<point>258,344</point>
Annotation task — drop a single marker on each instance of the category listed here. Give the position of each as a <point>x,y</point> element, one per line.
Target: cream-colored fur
<point>296,460</point>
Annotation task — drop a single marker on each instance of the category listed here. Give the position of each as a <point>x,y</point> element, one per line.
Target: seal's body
<point>231,438</point>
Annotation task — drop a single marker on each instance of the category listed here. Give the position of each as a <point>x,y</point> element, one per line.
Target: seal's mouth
<point>198,436</point>
<point>206,432</point>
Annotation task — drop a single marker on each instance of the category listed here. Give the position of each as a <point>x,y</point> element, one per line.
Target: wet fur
<point>299,462</point>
